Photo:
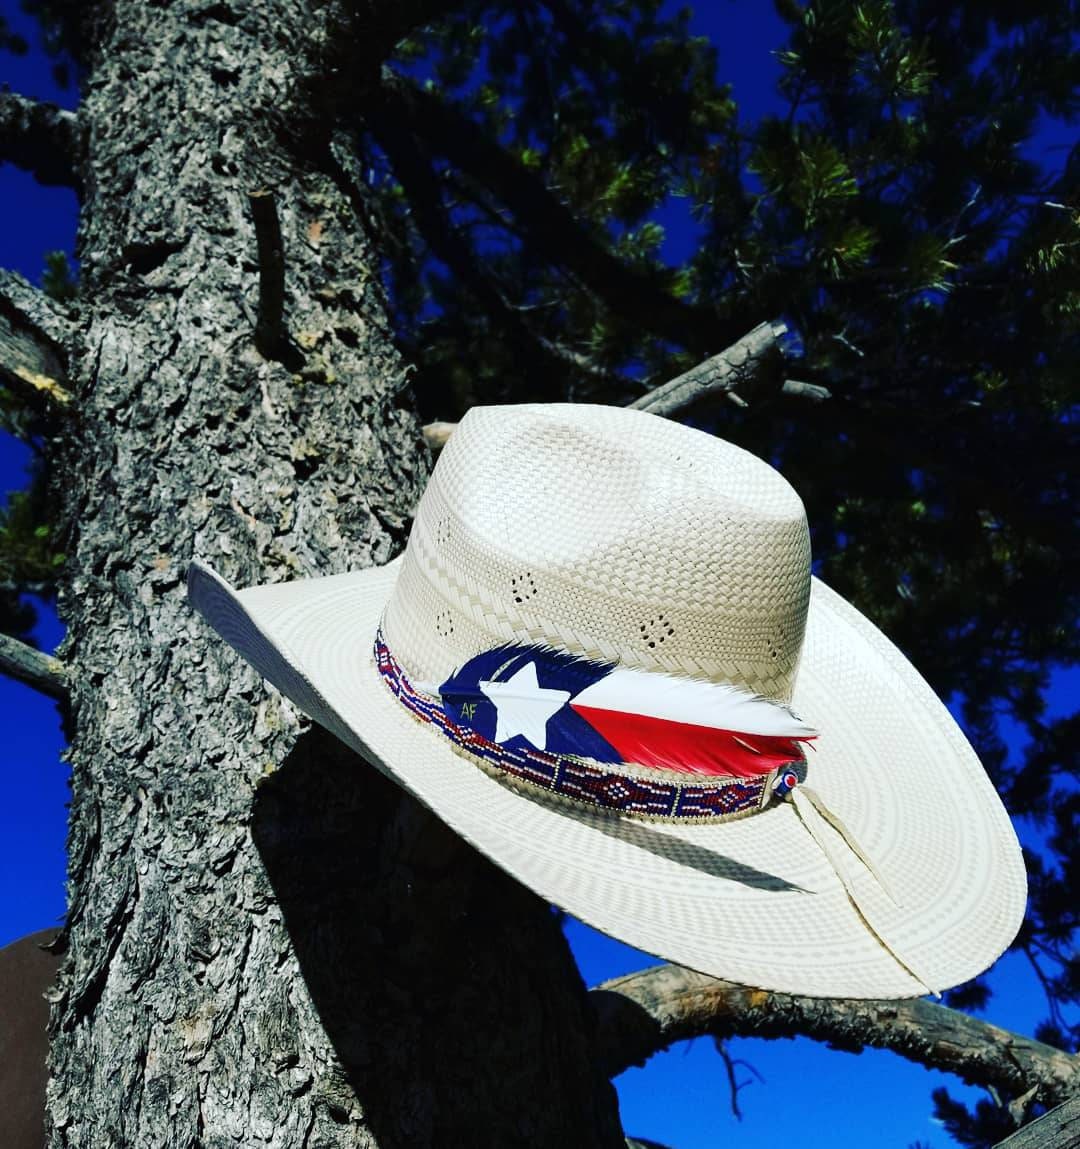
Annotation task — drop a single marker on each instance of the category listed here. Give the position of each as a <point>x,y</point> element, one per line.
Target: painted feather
<point>554,701</point>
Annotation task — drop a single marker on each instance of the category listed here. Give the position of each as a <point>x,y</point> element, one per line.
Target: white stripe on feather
<point>690,700</point>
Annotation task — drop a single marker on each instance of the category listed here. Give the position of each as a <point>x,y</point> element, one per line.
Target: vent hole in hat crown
<point>444,624</point>
<point>523,587</point>
<point>776,643</point>
<point>442,531</point>
<point>656,631</point>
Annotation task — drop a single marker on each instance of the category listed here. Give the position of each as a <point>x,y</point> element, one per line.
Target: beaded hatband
<point>580,781</point>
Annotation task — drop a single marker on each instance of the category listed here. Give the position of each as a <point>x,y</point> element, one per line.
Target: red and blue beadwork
<point>571,761</point>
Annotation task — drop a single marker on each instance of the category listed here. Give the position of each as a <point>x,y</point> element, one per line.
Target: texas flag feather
<point>558,702</point>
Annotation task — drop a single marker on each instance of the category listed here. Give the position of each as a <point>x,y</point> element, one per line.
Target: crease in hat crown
<point>611,534</point>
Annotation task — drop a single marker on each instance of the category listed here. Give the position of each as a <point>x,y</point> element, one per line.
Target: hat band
<point>586,784</point>
<point>580,781</point>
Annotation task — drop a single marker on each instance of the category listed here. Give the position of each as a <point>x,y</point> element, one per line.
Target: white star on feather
<point>523,706</point>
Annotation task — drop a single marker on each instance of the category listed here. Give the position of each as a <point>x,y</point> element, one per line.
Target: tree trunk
<point>267,944</point>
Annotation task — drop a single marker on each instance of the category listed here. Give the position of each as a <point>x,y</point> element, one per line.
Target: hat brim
<point>753,900</point>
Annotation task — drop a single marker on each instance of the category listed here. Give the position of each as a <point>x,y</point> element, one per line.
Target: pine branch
<point>754,361</point>
<point>40,138</point>
<point>41,671</point>
<point>33,332</point>
<point>555,235</point>
<point>415,171</point>
<point>645,1012</point>
<point>672,109</point>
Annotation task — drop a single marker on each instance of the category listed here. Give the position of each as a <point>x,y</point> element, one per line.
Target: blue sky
<point>810,1096</point>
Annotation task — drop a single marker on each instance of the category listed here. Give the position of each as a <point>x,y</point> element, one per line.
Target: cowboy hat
<point>585,589</point>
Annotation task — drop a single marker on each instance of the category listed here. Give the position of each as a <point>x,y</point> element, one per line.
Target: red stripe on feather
<point>664,744</point>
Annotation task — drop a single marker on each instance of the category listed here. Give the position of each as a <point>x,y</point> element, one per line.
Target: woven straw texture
<point>619,535</point>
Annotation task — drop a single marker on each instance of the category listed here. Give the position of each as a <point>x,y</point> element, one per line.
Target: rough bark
<point>45,318</point>
<point>258,922</point>
<point>647,1011</point>
<point>1058,1129</point>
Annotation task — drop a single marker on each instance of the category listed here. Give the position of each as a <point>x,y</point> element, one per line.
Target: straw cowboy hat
<point>603,661</point>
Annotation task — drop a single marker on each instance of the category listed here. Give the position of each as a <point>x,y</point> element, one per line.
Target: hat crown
<point>609,533</point>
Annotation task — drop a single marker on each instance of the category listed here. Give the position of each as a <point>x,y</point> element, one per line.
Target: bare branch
<point>436,434</point>
<point>812,391</point>
<point>648,1011</point>
<point>578,360</point>
<point>40,138</point>
<point>754,362</point>
<point>41,671</point>
<point>33,329</point>
<point>753,359</point>
<point>53,319</point>
<point>733,1085</point>
<point>1058,1129</point>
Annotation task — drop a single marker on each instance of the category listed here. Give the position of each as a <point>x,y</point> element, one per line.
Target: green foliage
<point>58,279</point>
<point>29,560</point>
<point>803,168</point>
<point>890,62</point>
<point>608,111</point>
<point>986,1125</point>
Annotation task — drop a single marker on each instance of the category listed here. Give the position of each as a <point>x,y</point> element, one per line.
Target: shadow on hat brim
<point>753,900</point>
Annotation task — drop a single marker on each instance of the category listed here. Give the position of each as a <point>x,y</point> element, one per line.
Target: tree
<point>265,940</point>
